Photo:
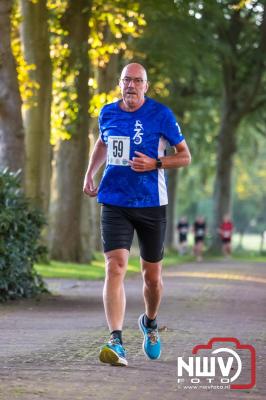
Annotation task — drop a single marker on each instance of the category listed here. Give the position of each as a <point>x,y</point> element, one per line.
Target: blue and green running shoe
<point>113,353</point>
<point>151,343</point>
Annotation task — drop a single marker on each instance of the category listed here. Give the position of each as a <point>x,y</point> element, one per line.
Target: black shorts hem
<point>152,260</point>
<point>199,240</point>
<point>226,240</point>
<point>111,248</point>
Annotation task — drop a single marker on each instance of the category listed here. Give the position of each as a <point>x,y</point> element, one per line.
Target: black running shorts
<point>118,225</point>
<point>199,239</point>
<point>226,240</point>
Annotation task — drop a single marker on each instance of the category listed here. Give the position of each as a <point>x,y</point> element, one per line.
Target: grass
<point>249,256</point>
<point>95,270</point>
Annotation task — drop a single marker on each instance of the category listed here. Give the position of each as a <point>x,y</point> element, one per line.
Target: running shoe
<point>151,343</point>
<point>113,353</point>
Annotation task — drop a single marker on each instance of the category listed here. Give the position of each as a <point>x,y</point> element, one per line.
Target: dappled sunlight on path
<point>215,275</point>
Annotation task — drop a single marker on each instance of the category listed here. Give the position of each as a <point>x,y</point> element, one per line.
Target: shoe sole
<point>143,343</point>
<point>108,356</point>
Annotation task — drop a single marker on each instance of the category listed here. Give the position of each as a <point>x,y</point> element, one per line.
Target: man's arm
<point>97,159</point>
<point>181,158</point>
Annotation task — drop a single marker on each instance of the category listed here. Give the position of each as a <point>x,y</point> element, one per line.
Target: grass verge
<point>95,269</point>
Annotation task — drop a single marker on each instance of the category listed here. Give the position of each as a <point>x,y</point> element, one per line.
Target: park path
<point>49,346</point>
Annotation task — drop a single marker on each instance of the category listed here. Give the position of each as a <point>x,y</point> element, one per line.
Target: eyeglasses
<point>137,81</point>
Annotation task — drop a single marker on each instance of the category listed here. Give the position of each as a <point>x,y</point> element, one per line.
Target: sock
<point>117,335</point>
<point>150,323</point>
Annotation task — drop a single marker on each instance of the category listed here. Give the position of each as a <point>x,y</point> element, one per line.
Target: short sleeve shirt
<point>147,130</point>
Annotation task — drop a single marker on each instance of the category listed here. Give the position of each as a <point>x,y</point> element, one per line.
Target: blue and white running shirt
<point>146,130</point>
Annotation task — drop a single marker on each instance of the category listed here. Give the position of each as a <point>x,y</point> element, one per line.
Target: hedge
<point>20,248</point>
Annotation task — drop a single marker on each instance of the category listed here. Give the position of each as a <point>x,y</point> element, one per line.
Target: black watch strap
<point>159,163</point>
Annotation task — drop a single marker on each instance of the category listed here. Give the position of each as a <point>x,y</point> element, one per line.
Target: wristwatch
<point>159,163</point>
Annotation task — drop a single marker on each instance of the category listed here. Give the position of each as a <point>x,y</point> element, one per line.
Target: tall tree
<point>242,53</point>
<point>35,40</point>
<point>11,127</point>
<point>71,155</point>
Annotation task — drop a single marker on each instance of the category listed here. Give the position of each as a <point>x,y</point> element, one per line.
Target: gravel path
<point>49,347</point>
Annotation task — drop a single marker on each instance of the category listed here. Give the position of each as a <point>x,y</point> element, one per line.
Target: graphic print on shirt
<point>139,132</point>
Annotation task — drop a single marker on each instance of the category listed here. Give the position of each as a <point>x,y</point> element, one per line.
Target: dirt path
<point>49,348</point>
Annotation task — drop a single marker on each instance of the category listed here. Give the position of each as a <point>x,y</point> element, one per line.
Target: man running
<point>182,228</point>
<point>199,229</point>
<point>134,132</point>
<point>226,231</point>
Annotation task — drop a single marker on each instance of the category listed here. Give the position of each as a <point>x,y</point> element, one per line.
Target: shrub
<point>20,227</point>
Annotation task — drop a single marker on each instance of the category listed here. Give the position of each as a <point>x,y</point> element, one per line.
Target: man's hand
<point>88,186</point>
<point>142,163</point>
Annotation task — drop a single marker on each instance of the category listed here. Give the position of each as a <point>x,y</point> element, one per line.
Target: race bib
<point>118,150</point>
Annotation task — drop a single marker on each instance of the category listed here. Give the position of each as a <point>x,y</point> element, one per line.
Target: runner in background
<point>182,228</point>
<point>226,230</point>
<point>199,229</point>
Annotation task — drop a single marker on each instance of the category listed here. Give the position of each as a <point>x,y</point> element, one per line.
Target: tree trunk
<point>241,238</point>
<point>172,175</point>
<point>35,38</point>
<point>67,232</point>
<point>66,205</point>
<point>225,152</point>
<point>106,76</point>
<point>262,239</point>
<point>11,127</point>
<point>237,104</point>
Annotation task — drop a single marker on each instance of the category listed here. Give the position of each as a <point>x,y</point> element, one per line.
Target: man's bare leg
<point>152,287</point>
<point>114,298</point>
<point>152,293</point>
